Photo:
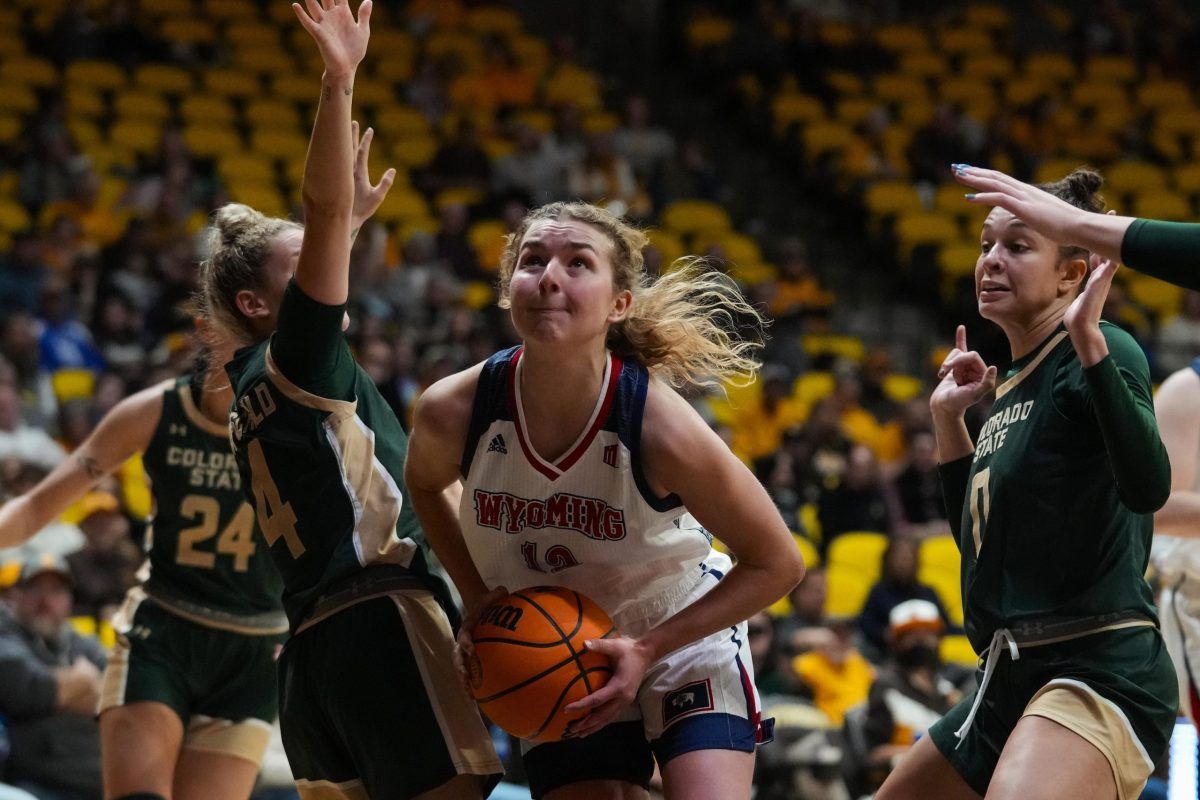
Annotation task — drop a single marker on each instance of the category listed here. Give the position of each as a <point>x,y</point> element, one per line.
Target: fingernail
<point>969,196</point>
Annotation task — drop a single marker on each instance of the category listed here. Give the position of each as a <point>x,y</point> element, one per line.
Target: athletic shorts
<point>220,683</point>
<point>1116,689</point>
<point>371,705</point>
<point>700,697</point>
<point>1179,607</point>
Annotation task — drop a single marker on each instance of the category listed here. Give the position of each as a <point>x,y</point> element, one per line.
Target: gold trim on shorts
<point>1083,711</point>
<point>246,739</point>
<point>328,790</point>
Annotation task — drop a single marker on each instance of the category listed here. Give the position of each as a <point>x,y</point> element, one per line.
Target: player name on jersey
<point>593,518</point>
<point>992,437</point>
<point>206,469</point>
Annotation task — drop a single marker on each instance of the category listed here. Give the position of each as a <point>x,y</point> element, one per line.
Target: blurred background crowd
<point>801,145</point>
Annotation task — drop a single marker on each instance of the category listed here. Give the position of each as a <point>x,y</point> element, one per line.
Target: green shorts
<point>221,684</point>
<point>1116,689</point>
<point>370,703</point>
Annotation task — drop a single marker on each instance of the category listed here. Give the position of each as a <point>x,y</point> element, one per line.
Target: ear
<point>1071,274</point>
<point>622,303</point>
<point>251,305</point>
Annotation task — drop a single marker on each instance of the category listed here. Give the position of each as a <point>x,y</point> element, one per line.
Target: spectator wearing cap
<point>913,691</point>
<point>49,688</point>
<point>106,566</point>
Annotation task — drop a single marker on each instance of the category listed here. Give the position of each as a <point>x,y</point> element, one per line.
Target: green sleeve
<point>954,475</point>
<point>309,348</point>
<point>1169,251</point>
<point>1116,394</point>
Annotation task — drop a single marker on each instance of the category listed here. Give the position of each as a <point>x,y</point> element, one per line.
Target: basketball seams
<point>532,679</point>
<point>566,638</point>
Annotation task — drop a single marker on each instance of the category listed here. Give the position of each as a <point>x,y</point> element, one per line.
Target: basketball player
<point>1052,507</point>
<point>1165,250</point>
<point>189,693</point>
<point>1176,528</point>
<point>582,468</point>
<point>370,705</point>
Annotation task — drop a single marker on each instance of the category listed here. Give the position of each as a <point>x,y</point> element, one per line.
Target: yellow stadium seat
<point>573,86</point>
<point>982,15</point>
<point>9,572</point>
<point>837,34</point>
<point>601,122</point>
<point>277,114</point>
<point>924,64</point>
<point>964,41</point>
<point>1187,177</point>
<point>29,71</point>
<point>213,140</point>
<point>142,136</point>
<point>414,151</point>
<point>989,66</point>
<point>899,88</point>
<point>793,107</point>
<point>1178,121</point>
<point>956,259</point>
<point>857,558</point>
<point>1026,89</point>
<point>95,73</point>
<point>810,521</point>
<point>812,386</point>
<point>889,198</point>
<point>808,550</point>
<point>1162,204</point>
<point>228,10</point>
<point>111,156</point>
<point>965,89</point>
<point>297,88</point>
<point>846,590</point>
<point>84,101</point>
<point>167,8</point>
<point>956,649</point>
<point>18,99</point>
<point>688,217</point>
<point>938,566</point>
<point>279,144</point>
<point>264,61</point>
<point>203,109</point>
<point>83,625</point>
<point>141,104</point>
<point>845,82</point>
<point>163,79</point>
<point>403,204</point>
<point>11,46</point>
<point>738,247</point>
<point>231,166</point>
<point>900,38</point>
<point>11,127</point>
<point>902,388</point>
<point>494,20</point>
<point>84,132</point>
<point>188,30</point>
<point>460,44</point>
<point>1116,69</point>
<point>838,345</point>
<point>399,121</point>
<point>253,34</point>
<point>1163,94</point>
<point>1164,299</point>
<point>460,196</point>
<point>1053,169</point>
<point>73,384</point>
<point>478,295</point>
<point>707,31</point>
<point>669,246</point>
<point>1134,176</point>
<point>487,238</point>
<point>368,92</point>
<point>826,137</point>
<point>924,228</point>
<point>531,52</point>
<point>266,199</point>
<point>1050,66</point>
<point>1095,93</point>
<point>853,110</point>
<point>230,82</point>
<point>917,113</point>
<point>13,216</point>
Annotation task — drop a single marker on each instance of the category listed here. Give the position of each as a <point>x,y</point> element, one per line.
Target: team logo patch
<point>496,445</point>
<point>691,698</point>
<point>610,455</point>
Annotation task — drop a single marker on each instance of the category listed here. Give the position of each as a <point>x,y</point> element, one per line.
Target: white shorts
<point>1179,610</point>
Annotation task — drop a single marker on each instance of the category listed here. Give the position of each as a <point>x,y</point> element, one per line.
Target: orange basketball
<point>530,661</point>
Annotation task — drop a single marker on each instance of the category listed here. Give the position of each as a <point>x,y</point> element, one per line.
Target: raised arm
<point>125,430</point>
<point>1177,406</point>
<point>323,270</point>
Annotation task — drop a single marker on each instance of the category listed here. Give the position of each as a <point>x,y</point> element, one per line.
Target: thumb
<point>386,181</point>
<point>605,647</point>
<point>364,14</point>
<point>989,378</point>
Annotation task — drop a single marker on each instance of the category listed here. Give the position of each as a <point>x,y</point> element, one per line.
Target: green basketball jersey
<point>1044,530</point>
<point>324,471</point>
<point>204,560</point>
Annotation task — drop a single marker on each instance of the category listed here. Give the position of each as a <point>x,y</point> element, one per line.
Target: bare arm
<point>328,189</point>
<point>126,430</point>
<point>1177,406</point>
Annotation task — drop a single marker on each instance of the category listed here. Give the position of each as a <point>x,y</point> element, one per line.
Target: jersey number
<point>275,518</point>
<point>558,557</point>
<point>236,540</point>
<point>980,500</point>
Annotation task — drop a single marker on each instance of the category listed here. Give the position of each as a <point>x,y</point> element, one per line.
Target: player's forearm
<point>1169,251</point>
<point>952,437</point>
<point>1101,233</point>
<point>18,523</point>
<point>954,475</point>
<point>442,529</point>
<point>328,187</point>
<point>1179,516</point>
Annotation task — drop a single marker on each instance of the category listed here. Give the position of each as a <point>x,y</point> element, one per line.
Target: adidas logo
<point>496,445</point>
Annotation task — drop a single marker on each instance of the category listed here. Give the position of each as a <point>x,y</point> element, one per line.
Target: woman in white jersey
<point>581,467</point>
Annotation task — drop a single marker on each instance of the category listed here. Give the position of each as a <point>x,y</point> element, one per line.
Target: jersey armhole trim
<point>483,405</point>
<point>341,408</point>
<point>671,501</point>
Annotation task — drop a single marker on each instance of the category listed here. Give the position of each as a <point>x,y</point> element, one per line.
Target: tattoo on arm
<point>91,465</point>
<point>328,92</point>
<point>348,90</point>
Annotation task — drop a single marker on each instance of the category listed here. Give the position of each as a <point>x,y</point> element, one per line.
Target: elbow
<point>1150,501</point>
<point>792,570</point>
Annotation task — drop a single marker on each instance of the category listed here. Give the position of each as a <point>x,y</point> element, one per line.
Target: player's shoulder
<point>1124,349</point>
<point>1181,388</point>
<point>668,418</point>
<point>446,406</point>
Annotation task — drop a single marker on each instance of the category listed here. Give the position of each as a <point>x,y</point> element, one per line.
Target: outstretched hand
<point>367,198</point>
<point>341,38</point>
<point>464,650</point>
<point>1053,218</point>
<point>1083,315</point>
<point>630,662</point>
<point>965,378</point>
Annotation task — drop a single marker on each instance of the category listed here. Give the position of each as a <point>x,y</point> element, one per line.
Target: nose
<point>990,260</point>
<point>551,280</point>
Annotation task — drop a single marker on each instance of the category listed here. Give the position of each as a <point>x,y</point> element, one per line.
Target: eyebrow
<point>987,224</point>
<point>575,245</point>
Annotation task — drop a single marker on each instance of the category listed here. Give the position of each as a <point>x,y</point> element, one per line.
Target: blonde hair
<point>685,326</point>
<point>239,245</point>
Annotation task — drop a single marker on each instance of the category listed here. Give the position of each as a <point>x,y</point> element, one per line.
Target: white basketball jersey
<point>1176,557</point>
<point>588,521</point>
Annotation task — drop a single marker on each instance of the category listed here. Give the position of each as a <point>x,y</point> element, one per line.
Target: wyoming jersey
<point>323,471</point>
<point>205,562</point>
<point>1045,530</point>
<point>589,519</point>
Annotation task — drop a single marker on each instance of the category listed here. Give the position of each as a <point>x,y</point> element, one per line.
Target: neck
<point>1026,335</point>
<point>217,395</point>
<point>547,372</point>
